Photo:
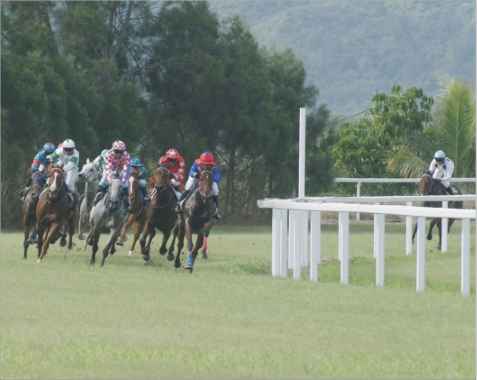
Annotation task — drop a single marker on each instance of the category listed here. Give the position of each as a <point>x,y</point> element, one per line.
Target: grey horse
<point>107,214</point>
<point>89,174</point>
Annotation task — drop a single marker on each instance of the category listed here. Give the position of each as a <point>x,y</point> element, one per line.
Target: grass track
<point>231,319</point>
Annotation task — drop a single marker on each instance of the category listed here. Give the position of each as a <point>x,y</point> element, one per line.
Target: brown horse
<point>198,217</point>
<point>53,211</point>
<point>38,181</point>
<point>431,186</point>
<point>161,215</point>
<point>137,212</point>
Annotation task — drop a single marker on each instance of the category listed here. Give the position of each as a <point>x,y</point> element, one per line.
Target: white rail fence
<point>290,232</point>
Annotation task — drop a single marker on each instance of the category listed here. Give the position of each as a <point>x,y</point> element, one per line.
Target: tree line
<point>171,74</point>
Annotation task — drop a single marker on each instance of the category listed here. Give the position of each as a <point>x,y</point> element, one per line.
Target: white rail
<point>296,213</point>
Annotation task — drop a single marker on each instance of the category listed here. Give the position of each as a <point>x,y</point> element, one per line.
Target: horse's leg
<point>180,245</point>
<point>170,252</point>
<point>71,232</point>
<point>139,228</point>
<point>127,225</point>
<point>429,235</point>
<point>204,245</point>
<point>40,231</point>
<point>451,222</point>
<point>189,259</point>
<point>198,243</point>
<point>52,232</point>
<point>113,235</point>
<point>26,232</point>
<point>63,236</point>
<point>165,238</point>
<point>146,232</point>
<point>95,235</point>
<point>414,233</point>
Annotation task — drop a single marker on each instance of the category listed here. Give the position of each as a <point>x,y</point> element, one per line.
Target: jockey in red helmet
<point>205,159</point>
<point>173,161</point>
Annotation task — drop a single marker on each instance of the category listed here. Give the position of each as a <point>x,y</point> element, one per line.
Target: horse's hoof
<point>204,255</point>
<point>188,266</point>
<point>163,251</point>
<point>30,241</point>
<point>38,261</point>
<point>90,242</point>
<point>170,257</point>
<point>130,253</point>
<point>120,242</point>
<point>177,264</point>
<point>438,247</point>
<point>62,242</point>
<point>146,257</point>
<point>429,237</point>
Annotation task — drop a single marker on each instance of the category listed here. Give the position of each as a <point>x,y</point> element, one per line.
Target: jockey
<point>205,158</point>
<point>100,161</point>
<point>138,167</point>
<point>117,158</point>
<point>173,161</point>
<point>69,156</point>
<point>442,167</point>
<point>39,162</point>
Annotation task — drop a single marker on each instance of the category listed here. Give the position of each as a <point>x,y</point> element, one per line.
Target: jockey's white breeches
<point>192,181</point>
<point>438,174</point>
<point>70,179</point>
<point>104,180</point>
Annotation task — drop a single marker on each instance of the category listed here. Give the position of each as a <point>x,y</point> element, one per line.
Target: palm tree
<point>453,132</point>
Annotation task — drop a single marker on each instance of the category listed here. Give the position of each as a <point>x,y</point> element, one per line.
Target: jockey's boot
<point>215,198</point>
<point>184,195</point>
<point>144,194</point>
<point>74,203</point>
<point>96,197</point>
<point>451,190</point>
<point>23,192</point>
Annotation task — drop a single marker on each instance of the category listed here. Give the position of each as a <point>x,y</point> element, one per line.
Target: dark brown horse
<point>161,215</point>
<point>38,180</point>
<point>137,212</point>
<point>198,217</point>
<point>53,211</point>
<point>431,186</point>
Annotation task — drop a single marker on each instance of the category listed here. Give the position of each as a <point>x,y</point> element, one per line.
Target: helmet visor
<point>118,151</point>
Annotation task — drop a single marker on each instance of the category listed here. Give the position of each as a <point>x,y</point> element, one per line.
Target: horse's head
<point>133,182</point>
<point>206,180</point>
<point>55,181</point>
<point>115,194</point>
<point>427,185</point>
<point>38,181</point>
<point>162,178</point>
<point>89,172</point>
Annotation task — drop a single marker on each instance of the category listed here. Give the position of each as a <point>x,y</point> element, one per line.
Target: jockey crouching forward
<point>138,167</point>
<point>205,158</point>
<point>174,162</point>
<point>69,156</point>
<point>442,168</point>
<point>38,164</point>
<point>116,159</point>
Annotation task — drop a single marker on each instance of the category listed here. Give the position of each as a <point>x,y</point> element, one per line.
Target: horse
<point>107,214</point>
<point>198,217</point>
<point>53,211</point>
<point>137,212</point>
<point>161,215</point>
<point>432,186</point>
<point>89,174</point>
<point>38,180</point>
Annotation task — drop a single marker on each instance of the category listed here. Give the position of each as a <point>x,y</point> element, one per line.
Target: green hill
<point>351,49</point>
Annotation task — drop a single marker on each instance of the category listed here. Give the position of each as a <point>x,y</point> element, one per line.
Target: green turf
<point>230,318</point>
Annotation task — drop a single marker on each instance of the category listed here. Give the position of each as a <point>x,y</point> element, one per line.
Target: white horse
<point>89,174</point>
<point>107,214</point>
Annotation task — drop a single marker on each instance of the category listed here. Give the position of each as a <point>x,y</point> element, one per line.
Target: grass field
<point>231,319</point>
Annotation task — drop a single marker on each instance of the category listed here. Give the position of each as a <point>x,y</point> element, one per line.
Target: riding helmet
<point>68,143</point>
<point>104,152</point>
<point>172,153</point>
<point>49,147</point>
<point>439,154</point>
<point>135,162</point>
<point>206,158</point>
<point>119,145</point>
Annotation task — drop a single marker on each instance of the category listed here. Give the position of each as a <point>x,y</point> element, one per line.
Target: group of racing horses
<point>47,208</point>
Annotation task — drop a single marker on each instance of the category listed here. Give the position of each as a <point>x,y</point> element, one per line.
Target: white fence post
<point>408,232</point>
<point>315,244</point>
<point>465,257</point>
<point>421,253</point>
<point>343,245</point>
<point>283,242</point>
<point>444,226</point>
<point>379,249</point>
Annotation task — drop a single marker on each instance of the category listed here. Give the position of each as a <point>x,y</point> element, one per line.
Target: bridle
<point>53,194</point>
<point>162,187</point>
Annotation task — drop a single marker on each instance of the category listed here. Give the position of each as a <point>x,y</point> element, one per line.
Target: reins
<point>167,204</point>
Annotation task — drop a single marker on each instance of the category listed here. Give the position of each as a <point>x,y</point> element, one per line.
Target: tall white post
<point>444,226</point>
<point>301,158</point>
<point>421,253</point>
<point>343,244</point>
<point>379,249</point>
<point>408,232</point>
<point>315,244</point>
<point>465,257</point>
<point>283,226</point>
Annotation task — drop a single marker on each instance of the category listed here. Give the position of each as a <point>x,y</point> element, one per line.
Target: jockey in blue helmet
<point>136,166</point>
